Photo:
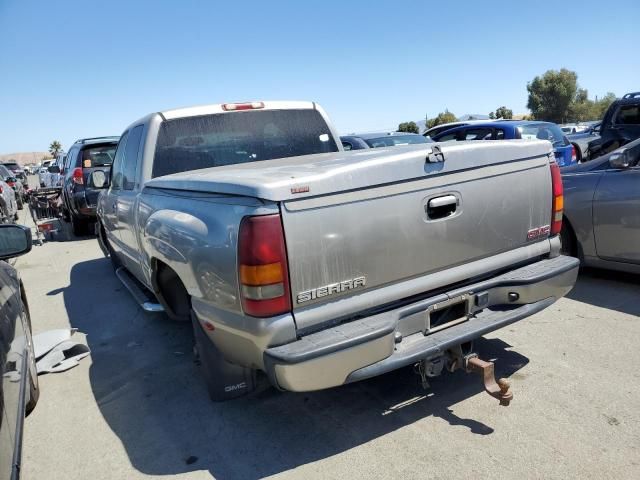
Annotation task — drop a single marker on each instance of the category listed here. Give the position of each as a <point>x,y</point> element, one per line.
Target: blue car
<point>515,129</point>
<point>384,139</point>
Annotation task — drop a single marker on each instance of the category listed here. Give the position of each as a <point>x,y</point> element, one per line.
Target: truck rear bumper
<point>383,342</point>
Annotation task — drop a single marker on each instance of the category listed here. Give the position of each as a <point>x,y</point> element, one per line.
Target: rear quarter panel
<point>579,190</point>
<point>196,235</point>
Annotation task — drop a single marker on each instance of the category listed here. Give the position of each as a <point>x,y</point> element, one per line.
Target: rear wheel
<point>78,226</point>
<point>568,243</point>
<point>20,202</point>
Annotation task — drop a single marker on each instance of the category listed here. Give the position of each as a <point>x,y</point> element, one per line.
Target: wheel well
<point>578,151</point>
<point>574,247</point>
<point>171,292</point>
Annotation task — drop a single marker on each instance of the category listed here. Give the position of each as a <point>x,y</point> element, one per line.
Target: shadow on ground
<point>150,393</point>
<point>608,289</point>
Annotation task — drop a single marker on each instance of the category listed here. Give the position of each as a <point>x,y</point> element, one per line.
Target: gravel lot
<point>138,408</point>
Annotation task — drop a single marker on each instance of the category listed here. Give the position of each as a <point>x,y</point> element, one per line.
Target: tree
<point>503,112</point>
<point>583,109</point>
<point>492,115</point>
<point>551,95</point>
<point>443,117</point>
<point>55,148</point>
<point>409,127</point>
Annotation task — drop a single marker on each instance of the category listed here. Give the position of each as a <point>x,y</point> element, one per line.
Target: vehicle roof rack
<point>632,95</point>
<point>92,139</point>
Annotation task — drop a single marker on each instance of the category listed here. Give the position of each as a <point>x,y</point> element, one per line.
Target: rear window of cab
<point>221,139</point>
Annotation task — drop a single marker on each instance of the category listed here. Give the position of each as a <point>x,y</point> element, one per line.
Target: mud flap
<point>224,380</point>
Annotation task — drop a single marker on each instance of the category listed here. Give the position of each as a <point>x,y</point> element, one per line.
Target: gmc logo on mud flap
<point>233,388</point>
<point>538,232</point>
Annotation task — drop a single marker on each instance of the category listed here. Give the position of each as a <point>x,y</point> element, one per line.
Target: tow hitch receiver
<point>497,389</point>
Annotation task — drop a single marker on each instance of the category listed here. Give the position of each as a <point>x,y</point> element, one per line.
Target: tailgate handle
<point>441,207</point>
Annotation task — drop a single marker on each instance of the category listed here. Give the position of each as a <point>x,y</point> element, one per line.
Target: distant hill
<point>24,157</point>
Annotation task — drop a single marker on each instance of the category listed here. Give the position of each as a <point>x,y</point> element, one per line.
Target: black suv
<point>78,194</point>
<point>620,125</point>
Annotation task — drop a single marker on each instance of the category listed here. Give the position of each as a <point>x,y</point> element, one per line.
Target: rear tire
<point>224,380</point>
<point>20,202</point>
<point>568,242</point>
<point>34,394</point>
<point>78,226</point>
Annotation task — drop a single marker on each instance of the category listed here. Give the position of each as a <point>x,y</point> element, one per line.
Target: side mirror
<point>620,159</point>
<point>99,179</point>
<point>15,240</point>
<point>595,130</point>
<point>54,169</point>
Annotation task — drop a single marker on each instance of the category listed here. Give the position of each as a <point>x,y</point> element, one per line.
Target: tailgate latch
<point>436,155</point>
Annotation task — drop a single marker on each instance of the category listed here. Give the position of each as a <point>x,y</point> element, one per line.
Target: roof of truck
<point>220,108</point>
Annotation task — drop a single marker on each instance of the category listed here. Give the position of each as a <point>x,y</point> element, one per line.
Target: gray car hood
<point>328,173</point>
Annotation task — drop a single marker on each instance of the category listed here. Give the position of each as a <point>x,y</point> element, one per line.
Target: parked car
<point>433,131</point>
<point>322,268</point>
<point>53,177</point>
<point>78,193</point>
<point>7,176</point>
<point>19,390</point>
<point>17,170</point>
<point>8,203</point>
<point>580,141</point>
<point>569,129</point>
<point>602,210</point>
<point>515,129</point>
<point>384,139</point>
<point>620,125</point>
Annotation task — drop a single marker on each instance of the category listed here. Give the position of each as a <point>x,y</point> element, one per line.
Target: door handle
<point>441,207</point>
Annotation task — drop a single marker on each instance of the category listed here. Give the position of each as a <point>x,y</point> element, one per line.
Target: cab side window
<point>68,162</point>
<point>131,158</point>
<point>117,175</point>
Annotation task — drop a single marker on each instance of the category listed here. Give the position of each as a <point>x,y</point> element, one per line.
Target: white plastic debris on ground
<point>56,352</point>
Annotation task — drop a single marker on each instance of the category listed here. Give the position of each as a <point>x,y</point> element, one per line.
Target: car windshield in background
<point>543,131</point>
<point>14,167</point>
<point>98,156</point>
<point>628,115</point>
<point>393,140</point>
<point>227,139</point>
<point>5,172</point>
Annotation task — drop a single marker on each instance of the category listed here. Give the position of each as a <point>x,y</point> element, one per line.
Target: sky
<point>82,68</point>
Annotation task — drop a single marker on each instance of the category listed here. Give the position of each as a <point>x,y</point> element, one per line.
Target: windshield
<point>230,138</point>
<point>4,172</point>
<point>98,156</point>
<point>393,140</point>
<point>543,131</point>
<point>14,167</point>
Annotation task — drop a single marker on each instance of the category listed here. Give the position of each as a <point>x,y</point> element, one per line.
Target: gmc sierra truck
<point>321,267</point>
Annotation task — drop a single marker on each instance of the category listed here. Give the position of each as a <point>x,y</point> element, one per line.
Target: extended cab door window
<point>131,158</point>
<point>117,175</point>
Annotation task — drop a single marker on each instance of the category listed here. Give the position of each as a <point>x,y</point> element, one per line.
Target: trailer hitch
<point>497,389</point>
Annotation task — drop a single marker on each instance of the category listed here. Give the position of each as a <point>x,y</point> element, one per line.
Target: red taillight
<point>557,200</point>
<point>574,156</point>
<point>76,176</point>
<point>262,267</point>
<point>229,107</point>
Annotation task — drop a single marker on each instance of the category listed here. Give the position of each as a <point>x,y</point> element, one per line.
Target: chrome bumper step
<point>146,299</point>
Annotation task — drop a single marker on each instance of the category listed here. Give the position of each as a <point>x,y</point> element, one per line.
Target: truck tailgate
<point>471,206</point>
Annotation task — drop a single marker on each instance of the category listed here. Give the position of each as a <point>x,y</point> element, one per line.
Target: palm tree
<point>55,148</point>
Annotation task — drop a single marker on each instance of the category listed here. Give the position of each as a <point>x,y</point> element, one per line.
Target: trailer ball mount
<point>461,357</point>
<point>499,389</point>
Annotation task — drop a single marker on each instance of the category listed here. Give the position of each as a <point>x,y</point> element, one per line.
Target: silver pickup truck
<point>321,267</point>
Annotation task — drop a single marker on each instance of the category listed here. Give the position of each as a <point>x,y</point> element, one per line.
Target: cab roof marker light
<point>230,107</point>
